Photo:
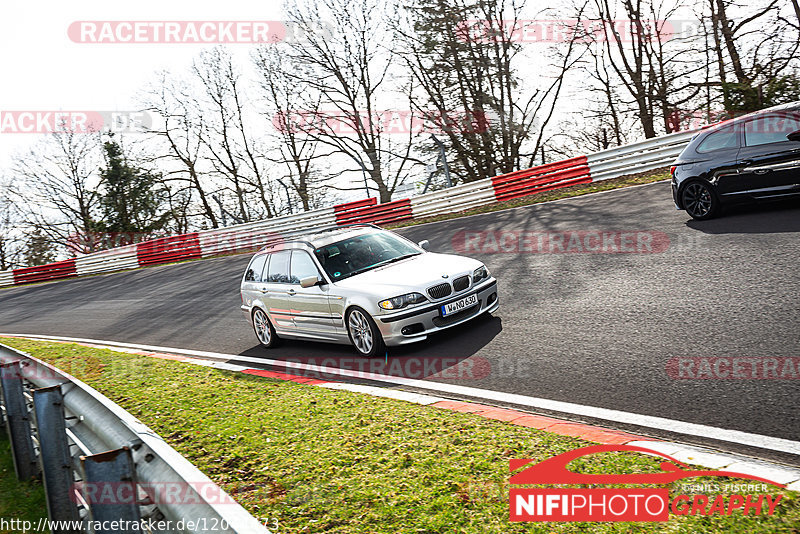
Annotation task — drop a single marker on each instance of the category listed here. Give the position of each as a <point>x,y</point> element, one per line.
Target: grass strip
<point>23,501</point>
<point>310,459</point>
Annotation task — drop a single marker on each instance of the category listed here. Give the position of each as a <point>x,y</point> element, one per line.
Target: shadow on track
<point>445,355</point>
<point>766,218</point>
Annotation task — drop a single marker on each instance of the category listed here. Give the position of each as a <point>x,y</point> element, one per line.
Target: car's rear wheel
<point>700,201</point>
<point>364,333</point>
<point>264,331</point>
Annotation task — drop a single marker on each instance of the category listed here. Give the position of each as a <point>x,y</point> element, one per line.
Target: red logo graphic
<point>620,504</point>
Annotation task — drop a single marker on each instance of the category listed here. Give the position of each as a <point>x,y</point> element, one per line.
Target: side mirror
<point>424,244</point>
<point>794,136</point>
<point>309,281</point>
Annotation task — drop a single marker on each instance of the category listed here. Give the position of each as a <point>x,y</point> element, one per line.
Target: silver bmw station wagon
<point>363,285</point>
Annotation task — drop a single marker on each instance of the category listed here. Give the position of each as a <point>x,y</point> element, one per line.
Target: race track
<point>591,328</point>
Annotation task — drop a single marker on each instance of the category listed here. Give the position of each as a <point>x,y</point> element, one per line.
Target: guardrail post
<point>48,404</point>
<point>111,491</point>
<point>18,421</point>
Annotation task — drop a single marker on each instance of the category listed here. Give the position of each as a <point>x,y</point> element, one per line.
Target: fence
<point>604,165</point>
<point>100,464</point>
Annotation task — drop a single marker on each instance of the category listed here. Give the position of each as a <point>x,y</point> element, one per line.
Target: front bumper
<point>417,323</point>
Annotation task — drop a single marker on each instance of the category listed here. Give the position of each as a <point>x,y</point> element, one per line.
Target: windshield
<point>363,253</point>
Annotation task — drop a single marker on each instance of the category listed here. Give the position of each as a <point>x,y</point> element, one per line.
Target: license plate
<point>458,305</point>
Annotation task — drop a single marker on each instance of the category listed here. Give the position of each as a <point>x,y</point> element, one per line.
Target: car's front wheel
<point>700,201</point>
<point>264,331</point>
<point>364,333</point>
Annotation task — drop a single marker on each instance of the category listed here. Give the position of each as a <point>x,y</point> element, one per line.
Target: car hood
<point>416,274</point>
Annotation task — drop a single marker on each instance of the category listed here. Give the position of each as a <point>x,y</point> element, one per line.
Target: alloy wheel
<point>698,200</point>
<point>262,327</point>
<point>360,331</point>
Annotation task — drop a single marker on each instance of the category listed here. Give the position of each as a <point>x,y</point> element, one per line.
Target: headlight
<point>481,273</point>
<point>402,301</point>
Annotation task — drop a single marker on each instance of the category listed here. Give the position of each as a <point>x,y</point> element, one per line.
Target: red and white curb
<point>690,454</point>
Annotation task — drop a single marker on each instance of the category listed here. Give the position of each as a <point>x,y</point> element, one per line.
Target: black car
<point>750,158</point>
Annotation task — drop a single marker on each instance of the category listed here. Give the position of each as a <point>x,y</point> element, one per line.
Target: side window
<point>255,269</point>
<point>770,128</point>
<point>302,266</point>
<point>725,138</point>
<point>279,267</point>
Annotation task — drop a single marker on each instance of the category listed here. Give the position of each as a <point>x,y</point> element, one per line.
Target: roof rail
<point>280,240</point>
<point>351,225</point>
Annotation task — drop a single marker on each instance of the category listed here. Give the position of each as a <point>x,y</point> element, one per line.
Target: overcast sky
<point>44,70</point>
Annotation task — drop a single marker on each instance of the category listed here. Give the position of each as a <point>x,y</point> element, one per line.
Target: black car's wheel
<point>364,333</point>
<point>700,201</point>
<point>264,331</point>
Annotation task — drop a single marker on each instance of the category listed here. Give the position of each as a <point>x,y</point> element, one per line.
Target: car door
<point>277,287</point>
<point>718,153</point>
<point>310,306</point>
<point>253,287</point>
<point>769,163</point>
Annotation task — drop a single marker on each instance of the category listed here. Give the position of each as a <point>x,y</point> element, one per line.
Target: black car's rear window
<point>724,138</point>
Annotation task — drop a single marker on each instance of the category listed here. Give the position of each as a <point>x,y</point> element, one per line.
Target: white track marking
<point>645,421</point>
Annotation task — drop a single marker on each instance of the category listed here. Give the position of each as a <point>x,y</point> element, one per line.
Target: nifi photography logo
<point>648,504</point>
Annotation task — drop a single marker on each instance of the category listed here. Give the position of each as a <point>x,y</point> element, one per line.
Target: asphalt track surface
<point>597,329</point>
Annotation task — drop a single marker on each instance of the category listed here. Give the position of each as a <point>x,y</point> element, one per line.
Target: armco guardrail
<point>637,157</point>
<point>99,463</point>
<point>606,164</point>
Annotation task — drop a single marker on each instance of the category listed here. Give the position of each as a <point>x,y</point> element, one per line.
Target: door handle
<point>264,290</point>
<point>761,171</point>
<point>291,292</point>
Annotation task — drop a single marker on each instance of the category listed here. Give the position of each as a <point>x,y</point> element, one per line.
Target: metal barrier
<point>99,464</point>
<point>604,165</point>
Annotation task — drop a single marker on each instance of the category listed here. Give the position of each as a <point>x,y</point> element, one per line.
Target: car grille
<point>461,283</point>
<point>440,291</point>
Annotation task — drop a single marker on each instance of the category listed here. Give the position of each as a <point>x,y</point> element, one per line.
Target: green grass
<point>319,460</point>
<point>18,500</point>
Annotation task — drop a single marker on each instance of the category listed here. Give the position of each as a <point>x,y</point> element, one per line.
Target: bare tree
<point>758,48</point>
<point>655,65</point>
<point>56,184</point>
<point>10,232</point>
<point>463,57</point>
<point>348,68</point>
<point>232,146</point>
<point>290,102</point>
<point>182,129</point>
